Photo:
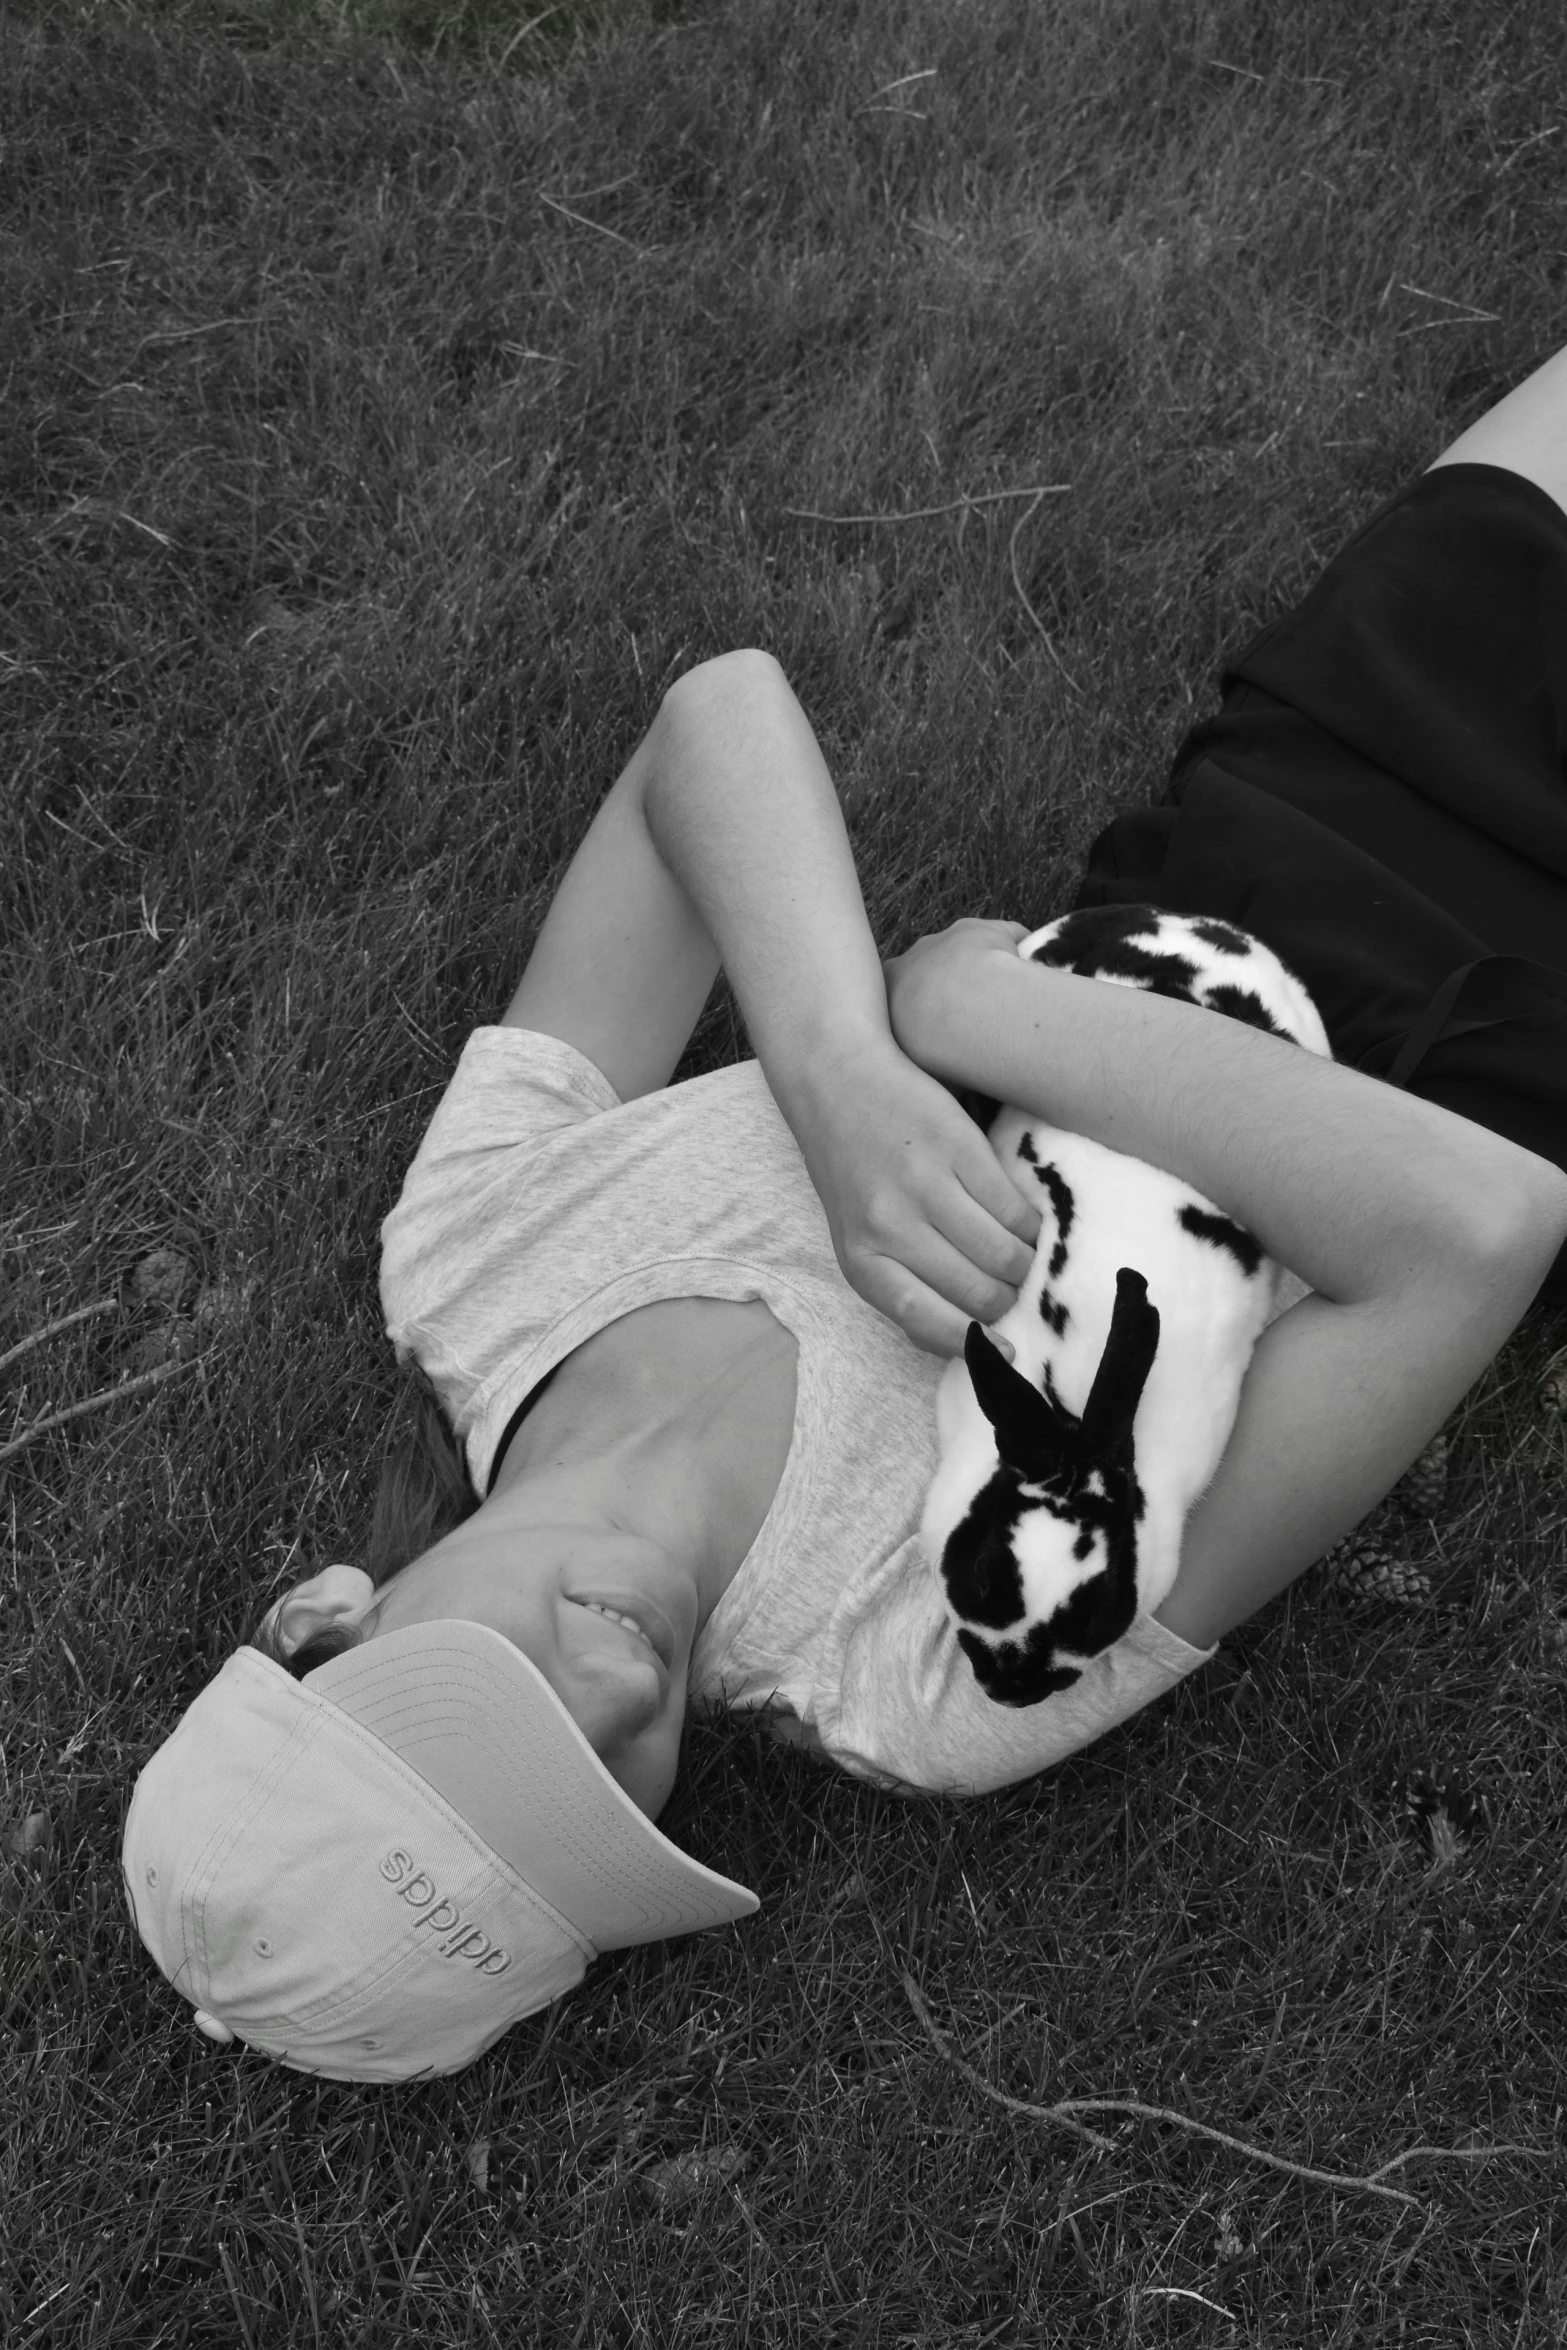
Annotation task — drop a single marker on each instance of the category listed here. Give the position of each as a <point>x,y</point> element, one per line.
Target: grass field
<point>394,405</point>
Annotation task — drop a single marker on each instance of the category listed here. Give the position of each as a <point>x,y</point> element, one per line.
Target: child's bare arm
<point>1424,1236</point>
<point>723,841</point>
<point>743,810</point>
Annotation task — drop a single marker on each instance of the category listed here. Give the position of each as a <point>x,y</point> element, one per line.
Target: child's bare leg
<point>1526,432</point>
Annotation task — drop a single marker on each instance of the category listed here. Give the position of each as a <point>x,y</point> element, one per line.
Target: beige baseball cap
<point>373,1872</point>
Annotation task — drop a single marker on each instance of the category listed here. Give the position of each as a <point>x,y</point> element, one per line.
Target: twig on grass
<point>185,334</point>
<point>1180,2293</point>
<point>523,30</point>
<point>1036,491</point>
<point>100,1305</point>
<point>1063,2111</point>
<point>926,73</point>
<point>1028,607</point>
<point>1456,2154</point>
<point>1509,160</point>
<point>1468,315</point>
<point>583,221</point>
<point>959,2064</point>
<point>106,1395</point>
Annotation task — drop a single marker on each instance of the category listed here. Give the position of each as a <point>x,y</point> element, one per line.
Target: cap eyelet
<point>152,1876</point>
<point>369,2043</point>
<point>262,1946</point>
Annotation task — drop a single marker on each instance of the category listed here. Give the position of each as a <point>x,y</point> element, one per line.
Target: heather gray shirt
<point>540,1208</point>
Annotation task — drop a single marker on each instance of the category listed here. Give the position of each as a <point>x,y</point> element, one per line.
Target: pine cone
<point>1422,1489</point>
<point>1365,1572</point>
<point>1447,1810</point>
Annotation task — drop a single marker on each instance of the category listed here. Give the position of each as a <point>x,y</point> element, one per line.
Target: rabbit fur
<point>1064,1480</point>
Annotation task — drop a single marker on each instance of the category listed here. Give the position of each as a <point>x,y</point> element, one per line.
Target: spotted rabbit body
<point>1064,1480</point>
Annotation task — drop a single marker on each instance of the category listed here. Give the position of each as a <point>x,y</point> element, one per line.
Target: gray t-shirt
<point>540,1208</point>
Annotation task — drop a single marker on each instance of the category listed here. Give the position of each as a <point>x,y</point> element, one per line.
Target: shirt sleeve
<point>510,1086</point>
<point>513,1088</point>
<point>910,1712</point>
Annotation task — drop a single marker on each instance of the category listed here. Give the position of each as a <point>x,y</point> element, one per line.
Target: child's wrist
<point>928,990</point>
<point>815,1071</point>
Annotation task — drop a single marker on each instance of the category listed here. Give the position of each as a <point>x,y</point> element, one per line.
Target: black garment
<point>514,1423</point>
<point>1383,799</point>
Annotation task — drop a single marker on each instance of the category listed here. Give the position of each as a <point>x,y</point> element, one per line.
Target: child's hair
<point>423,1492</point>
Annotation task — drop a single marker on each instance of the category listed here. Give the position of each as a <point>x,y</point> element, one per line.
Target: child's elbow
<point>1510,1227</point>
<point>747,670</point>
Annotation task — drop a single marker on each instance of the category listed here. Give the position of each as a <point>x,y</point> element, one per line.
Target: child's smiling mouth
<point>616,1615</point>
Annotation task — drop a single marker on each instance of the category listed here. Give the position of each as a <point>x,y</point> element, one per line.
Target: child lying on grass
<point>686,1339</point>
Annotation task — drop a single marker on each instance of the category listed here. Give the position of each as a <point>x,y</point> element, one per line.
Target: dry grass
<point>388,419</point>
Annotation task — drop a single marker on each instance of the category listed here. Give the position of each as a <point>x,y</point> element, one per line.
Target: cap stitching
<point>221,1839</point>
<point>651,1904</point>
<point>324,1711</point>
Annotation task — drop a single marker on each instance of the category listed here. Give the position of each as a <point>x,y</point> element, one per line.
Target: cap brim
<point>466,1709</point>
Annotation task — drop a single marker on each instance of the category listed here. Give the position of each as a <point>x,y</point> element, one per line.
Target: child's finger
<point>987,1247</point>
<point>933,1291</point>
<point>1000,1199</point>
<point>938,1331</point>
<point>978,1267</point>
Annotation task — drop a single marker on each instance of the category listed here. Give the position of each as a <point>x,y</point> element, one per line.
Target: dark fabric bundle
<point>1383,799</point>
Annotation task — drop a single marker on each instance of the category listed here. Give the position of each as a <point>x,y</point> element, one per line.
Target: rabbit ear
<point>1124,1366</point>
<point>1029,1428</point>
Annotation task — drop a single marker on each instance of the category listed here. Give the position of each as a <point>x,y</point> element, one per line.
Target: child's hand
<point>926,1226</point>
<point>939,961</point>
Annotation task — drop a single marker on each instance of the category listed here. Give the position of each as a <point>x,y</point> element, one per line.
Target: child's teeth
<point>615,1616</point>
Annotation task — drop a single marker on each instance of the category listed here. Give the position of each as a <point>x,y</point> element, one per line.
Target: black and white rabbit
<point>1064,1481</point>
